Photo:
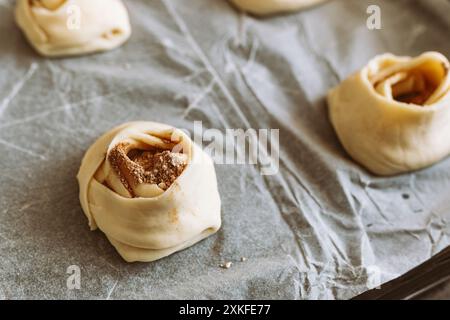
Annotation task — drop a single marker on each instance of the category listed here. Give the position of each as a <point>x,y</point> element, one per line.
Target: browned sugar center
<point>417,95</point>
<point>160,167</point>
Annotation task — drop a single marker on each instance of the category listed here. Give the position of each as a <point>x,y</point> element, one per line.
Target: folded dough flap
<point>266,7</point>
<point>59,27</point>
<point>146,215</point>
<point>48,4</point>
<point>156,223</point>
<point>420,81</point>
<point>132,254</point>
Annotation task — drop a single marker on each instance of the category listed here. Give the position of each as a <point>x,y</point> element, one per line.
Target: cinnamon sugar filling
<point>155,166</point>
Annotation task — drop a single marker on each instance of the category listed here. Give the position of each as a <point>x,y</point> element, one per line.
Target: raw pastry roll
<point>393,116</point>
<point>265,7</point>
<point>150,189</point>
<point>73,27</point>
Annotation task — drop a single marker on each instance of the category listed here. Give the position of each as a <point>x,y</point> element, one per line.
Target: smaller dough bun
<point>51,25</point>
<point>393,116</point>
<point>146,222</point>
<point>267,7</point>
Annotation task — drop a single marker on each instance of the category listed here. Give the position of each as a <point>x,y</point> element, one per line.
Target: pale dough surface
<point>386,136</point>
<point>265,7</point>
<point>51,25</point>
<point>151,226</point>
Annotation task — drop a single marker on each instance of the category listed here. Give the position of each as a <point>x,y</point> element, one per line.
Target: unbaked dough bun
<point>393,116</point>
<point>73,27</point>
<point>265,7</point>
<point>147,221</point>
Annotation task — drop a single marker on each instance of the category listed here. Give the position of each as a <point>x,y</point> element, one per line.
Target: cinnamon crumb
<point>226,265</point>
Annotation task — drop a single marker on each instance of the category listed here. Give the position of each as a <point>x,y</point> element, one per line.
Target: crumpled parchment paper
<point>322,228</point>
